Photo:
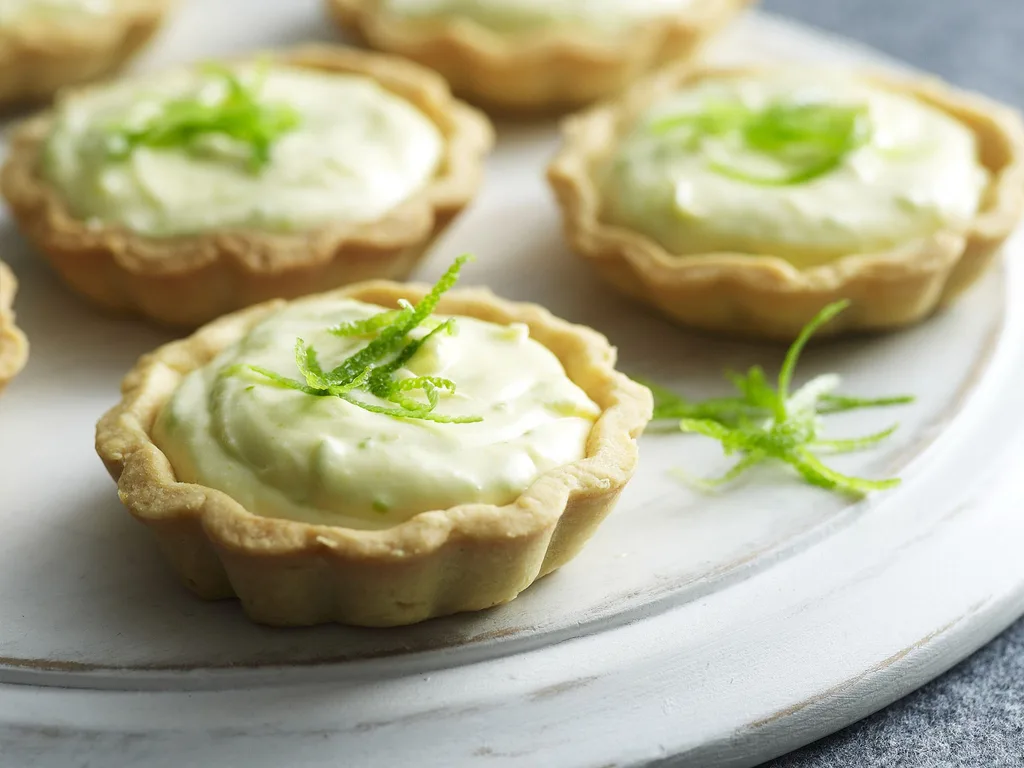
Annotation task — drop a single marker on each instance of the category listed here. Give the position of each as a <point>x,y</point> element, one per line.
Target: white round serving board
<point>692,631</point>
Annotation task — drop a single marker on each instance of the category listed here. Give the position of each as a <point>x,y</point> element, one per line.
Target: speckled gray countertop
<point>972,717</point>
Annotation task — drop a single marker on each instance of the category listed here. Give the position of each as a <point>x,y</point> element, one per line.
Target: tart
<point>48,44</point>
<point>13,346</point>
<point>744,201</point>
<point>499,442</point>
<point>537,55</point>
<point>193,193</point>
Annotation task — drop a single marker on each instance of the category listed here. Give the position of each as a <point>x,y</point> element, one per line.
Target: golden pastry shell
<point>188,280</point>
<point>546,72</point>
<point>465,558</point>
<point>13,345</point>
<point>766,296</point>
<point>38,56</point>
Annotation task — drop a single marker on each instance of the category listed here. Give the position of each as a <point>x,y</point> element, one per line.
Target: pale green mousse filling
<point>519,16</point>
<point>286,454</point>
<point>915,172</point>
<point>356,152</point>
<point>18,11</point>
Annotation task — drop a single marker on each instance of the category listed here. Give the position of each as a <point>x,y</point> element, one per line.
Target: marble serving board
<point>693,630</point>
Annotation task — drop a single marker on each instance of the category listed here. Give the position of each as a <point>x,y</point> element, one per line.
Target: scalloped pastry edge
<point>466,558</point>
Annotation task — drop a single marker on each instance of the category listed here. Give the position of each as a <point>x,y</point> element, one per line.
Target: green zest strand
<point>764,423</point>
<point>237,114</point>
<point>371,370</point>
<point>811,138</point>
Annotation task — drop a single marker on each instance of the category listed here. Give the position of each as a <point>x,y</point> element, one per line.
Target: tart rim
<point>590,136</point>
<point>146,483</point>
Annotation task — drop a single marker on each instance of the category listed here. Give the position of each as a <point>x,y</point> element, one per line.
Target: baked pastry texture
<point>948,216</point>
<point>295,572</point>
<point>219,254</point>
<point>550,68</point>
<point>13,345</point>
<point>44,50</point>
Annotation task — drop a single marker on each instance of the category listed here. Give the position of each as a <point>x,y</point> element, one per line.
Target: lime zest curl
<point>370,370</point>
<point>765,423</point>
<point>811,138</point>
<point>237,113</point>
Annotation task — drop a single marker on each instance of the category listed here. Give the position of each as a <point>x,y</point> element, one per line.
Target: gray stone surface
<point>977,44</point>
<point>972,717</point>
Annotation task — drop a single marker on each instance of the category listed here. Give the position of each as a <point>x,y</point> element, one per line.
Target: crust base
<point>766,296</point>
<point>550,73</point>
<point>187,281</point>
<point>466,558</point>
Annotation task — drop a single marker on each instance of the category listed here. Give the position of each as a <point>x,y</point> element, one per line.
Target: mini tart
<point>465,558</point>
<point>186,280</point>
<point>13,345</point>
<point>549,71</point>
<point>767,295</point>
<point>40,55</point>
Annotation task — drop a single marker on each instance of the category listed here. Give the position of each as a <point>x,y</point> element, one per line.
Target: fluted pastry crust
<point>39,57</point>
<point>13,344</point>
<point>186,281</point>
<point>548,72</point>
<point>465,558</point>
<point>766,296</point>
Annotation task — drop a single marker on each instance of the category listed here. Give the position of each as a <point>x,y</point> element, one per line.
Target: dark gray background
<point>972,717</point>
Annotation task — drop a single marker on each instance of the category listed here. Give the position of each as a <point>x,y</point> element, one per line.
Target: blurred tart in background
<point>13,345</point>
<point>48,44</point>
<point>745,201</point>
<point>537,55</point>
<point>190,194</point>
